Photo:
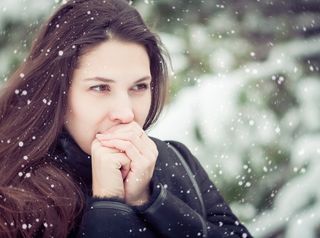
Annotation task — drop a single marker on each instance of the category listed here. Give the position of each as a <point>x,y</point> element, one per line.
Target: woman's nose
<point>122,112</point>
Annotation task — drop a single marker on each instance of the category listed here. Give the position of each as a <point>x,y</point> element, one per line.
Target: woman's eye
<point>141,87</point>
<point>100,88</point>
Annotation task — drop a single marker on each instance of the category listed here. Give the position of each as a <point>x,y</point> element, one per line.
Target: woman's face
<point>110,86</point>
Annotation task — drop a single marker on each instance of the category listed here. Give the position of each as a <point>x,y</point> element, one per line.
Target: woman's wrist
<point>142,200</point>
<point>104,193</point>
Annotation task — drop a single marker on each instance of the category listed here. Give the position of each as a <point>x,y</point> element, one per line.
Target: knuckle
<point>128,146</point>
<point>131,136</point>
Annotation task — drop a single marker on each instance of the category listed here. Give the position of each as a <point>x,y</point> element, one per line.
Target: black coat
<point>174,209</point>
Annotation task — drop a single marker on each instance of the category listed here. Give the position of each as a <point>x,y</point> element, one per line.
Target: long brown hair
<point>37,196</point>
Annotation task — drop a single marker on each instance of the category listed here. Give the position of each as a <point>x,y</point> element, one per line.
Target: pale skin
<point>108,104</point>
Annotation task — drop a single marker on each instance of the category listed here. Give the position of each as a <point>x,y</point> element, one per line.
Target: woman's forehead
<point>114,60</point>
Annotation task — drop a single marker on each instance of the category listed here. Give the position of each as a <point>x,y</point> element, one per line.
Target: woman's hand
<point>142,152</point>
<point>109,168</point>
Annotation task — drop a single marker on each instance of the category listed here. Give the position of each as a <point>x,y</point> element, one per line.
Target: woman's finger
<point>142,142</point>
<point>124,146</point>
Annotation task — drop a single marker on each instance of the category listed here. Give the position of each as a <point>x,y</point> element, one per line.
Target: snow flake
<point>21,75</point>
<point>311,68</point>
<point>28,175</point>
<point>24,226</point>
<point>20,174</point>
<point>16,91</point>
<point>220,6</point>
<point>60,53</point>
<point>24,92</point>
<point>244,235</point>
<point>45,224</point>
<point>280,80</point>
<point>20,143</point>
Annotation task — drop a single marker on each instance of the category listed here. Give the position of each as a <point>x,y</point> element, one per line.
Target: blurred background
<point>244,97</point>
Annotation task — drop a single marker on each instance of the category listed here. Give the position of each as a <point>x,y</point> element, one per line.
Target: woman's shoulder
<point>169,149</point>
<point>171,146</point>
<point>166,144</point>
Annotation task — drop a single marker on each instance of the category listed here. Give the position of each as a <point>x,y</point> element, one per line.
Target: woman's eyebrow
<point>106,80</point>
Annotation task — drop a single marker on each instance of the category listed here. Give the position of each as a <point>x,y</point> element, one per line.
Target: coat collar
<point>76,160</point>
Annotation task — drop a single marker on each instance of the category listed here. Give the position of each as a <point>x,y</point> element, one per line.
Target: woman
<point>75,158</point>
